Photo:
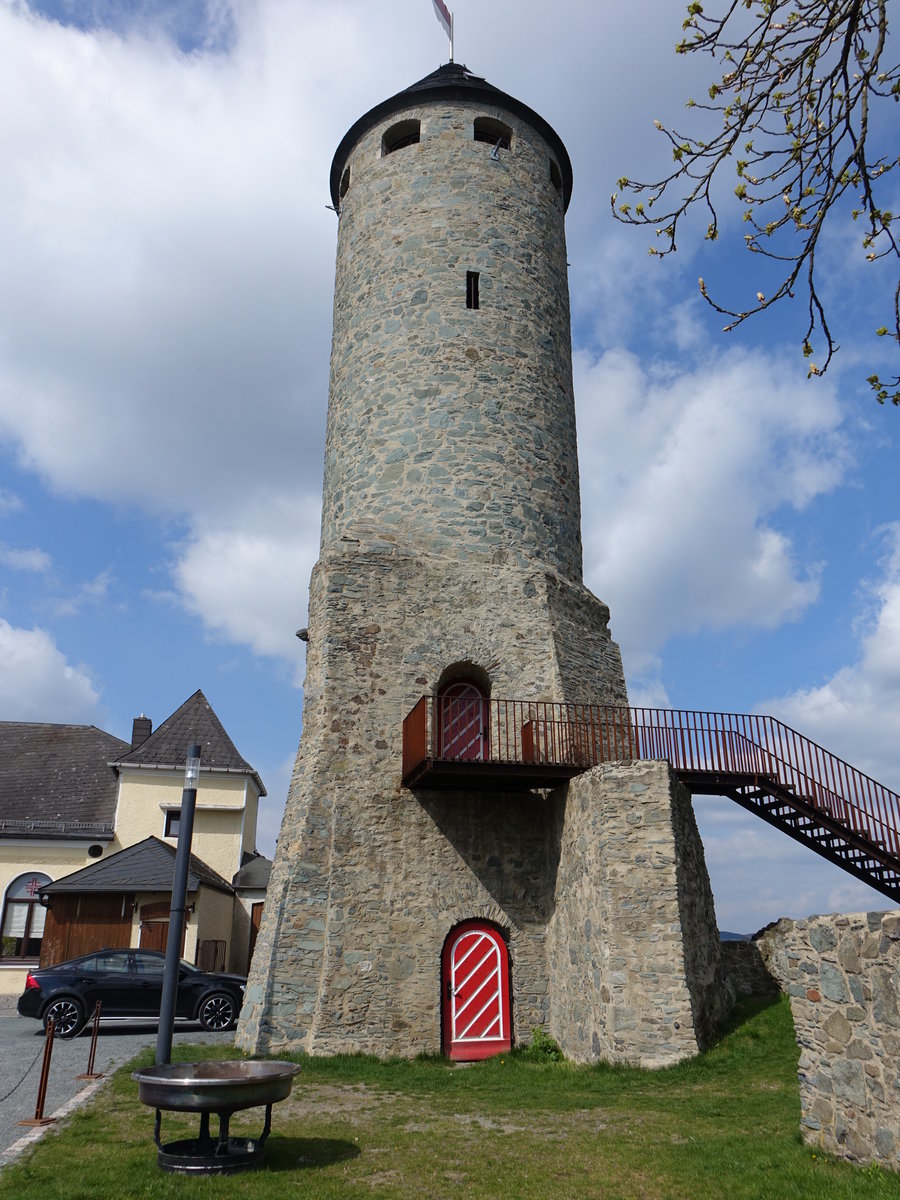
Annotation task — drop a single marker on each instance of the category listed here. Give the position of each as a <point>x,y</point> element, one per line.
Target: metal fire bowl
<point>215,1086</point>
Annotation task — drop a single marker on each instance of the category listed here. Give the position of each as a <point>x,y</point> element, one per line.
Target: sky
<point>167,256</point>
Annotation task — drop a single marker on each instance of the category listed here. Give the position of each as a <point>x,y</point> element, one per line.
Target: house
<point>88,830</point>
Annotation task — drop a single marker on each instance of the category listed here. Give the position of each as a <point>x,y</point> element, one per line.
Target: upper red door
<point>475,980</point>
<point>463,721</point>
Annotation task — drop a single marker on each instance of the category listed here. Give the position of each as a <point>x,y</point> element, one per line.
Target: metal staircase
<point>760,763</point>
<point>789,781</point>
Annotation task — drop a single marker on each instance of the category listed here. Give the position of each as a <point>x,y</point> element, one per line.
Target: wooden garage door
<point>77,925</point>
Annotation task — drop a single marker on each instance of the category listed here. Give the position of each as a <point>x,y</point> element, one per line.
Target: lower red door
<point>475,979</point>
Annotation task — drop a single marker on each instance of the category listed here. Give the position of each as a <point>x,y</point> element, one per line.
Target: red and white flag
<point>445,16</point>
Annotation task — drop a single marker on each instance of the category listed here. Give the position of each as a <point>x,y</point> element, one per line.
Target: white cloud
<point>36,681</point>
<point>168,258</point>
<point>24,560</point>
<point>856,713</point>
<point>9,502</point>
<point>249,580</point>
<point>759,874</point>
<point>95,591</point>
<point>157,265</point>
<point>683,474</point>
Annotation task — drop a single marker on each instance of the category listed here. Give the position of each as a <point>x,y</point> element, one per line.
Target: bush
<point>542,1047</point>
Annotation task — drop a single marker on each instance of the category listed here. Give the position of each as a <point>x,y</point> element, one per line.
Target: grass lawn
<point>722,1125</point>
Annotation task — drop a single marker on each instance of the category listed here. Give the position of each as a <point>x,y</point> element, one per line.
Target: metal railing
<point>699,744</point>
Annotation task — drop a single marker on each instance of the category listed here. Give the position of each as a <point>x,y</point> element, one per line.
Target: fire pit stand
<point>222,1088</point>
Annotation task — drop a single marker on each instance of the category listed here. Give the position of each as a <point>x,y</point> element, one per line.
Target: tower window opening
<point>487,129</point>
<point>345,183</point>
<point>555,176</point>
<point>404,133</point>
<point>472,298</point>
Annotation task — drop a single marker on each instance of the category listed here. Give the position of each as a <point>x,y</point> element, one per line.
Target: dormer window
<point>404,133</point>
<point>487,129</point>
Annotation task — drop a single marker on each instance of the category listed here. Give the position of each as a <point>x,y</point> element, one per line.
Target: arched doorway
<point>475,990</point>
<point>464,721</point>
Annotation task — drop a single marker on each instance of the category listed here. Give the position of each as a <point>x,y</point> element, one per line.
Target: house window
<point>22,923</point>
<point>472,297</point>
<point>487,129</point>
<point>404,133</point>
<point>173,823</point>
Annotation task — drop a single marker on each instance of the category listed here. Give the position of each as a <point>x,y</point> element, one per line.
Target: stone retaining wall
<point>746,969</point>
<point>633,948</point>
<point>842,973</point>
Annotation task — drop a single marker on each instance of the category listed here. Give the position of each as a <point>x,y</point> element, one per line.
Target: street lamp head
<point>192,767</point>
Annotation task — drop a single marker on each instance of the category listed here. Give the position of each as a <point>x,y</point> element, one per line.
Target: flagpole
<point>451,36</point>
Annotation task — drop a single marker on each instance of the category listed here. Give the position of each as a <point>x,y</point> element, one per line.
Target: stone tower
<point>450,568</point>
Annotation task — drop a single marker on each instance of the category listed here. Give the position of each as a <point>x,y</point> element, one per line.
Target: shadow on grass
<point>289,1153</point>
<point>745,1008</point>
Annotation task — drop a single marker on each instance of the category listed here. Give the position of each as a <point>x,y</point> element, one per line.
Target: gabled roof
<point>452,81</point>
<point>193,722</point>
<point>148,866</point>
<point>254,873</point>
<point>56,781</point>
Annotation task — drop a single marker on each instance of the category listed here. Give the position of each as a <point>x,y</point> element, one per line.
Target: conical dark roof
<point>452,81</point>
<point>193,722</point>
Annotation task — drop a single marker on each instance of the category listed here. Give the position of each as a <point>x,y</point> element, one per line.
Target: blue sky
<point>164,331</point>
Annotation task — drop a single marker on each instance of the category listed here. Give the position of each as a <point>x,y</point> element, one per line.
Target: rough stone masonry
<point>451,550</point>
<point>842,973</point>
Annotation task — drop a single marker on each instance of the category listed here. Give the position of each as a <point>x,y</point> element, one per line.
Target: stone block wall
<point>600,889</point>
<point>842,973</point>
<point>746,970</point>
<point>453,427</point>
<point>369,877</point>
<point>633,947</point>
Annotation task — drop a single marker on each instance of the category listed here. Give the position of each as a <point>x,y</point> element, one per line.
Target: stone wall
<point>451,543</point>
<point>369,877</point>
<point>633,948</point>
<point>746,970</point>
<point>842,973</point>
<point>453,428</point>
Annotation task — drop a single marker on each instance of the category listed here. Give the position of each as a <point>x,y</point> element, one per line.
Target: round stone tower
<point>448,621</point>
<point>451,419</point>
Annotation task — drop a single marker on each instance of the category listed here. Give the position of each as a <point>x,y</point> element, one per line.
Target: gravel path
<point>21,1052</point>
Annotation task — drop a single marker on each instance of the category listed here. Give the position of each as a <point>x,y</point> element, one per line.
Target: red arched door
<point>475,982</point>
<point>464,724</point>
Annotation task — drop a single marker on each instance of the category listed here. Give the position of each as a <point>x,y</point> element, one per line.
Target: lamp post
<point>176,911</point>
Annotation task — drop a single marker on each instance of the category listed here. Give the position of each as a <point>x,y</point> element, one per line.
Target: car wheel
<point>218,1012</point>
<point>67,1016</point>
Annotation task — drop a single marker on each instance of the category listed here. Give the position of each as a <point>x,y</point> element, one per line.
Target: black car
<point>129,984</point>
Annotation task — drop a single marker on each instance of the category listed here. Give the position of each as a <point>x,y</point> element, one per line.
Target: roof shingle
<point>193,722</point>
<point>56,780</point>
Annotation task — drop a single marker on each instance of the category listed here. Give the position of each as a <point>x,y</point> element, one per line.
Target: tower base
<point>599,890</point>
